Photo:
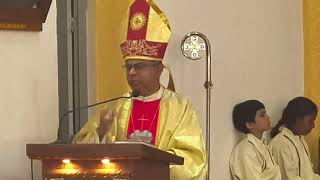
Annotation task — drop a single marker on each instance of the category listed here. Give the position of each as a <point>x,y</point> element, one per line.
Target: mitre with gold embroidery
<point>145,32</point>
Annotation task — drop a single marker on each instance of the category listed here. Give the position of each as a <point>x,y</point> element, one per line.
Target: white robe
<point>252,160</point>
<point>292,154</point>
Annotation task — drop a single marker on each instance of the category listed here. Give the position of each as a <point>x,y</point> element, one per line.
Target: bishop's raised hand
<point>107,118</point>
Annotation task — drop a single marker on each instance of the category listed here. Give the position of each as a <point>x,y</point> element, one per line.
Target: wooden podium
<point>125,161</point>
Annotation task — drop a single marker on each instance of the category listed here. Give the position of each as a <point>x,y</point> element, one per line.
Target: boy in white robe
<point>251,158</point>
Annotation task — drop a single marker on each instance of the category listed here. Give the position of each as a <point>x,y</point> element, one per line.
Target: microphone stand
<point>61,119</point>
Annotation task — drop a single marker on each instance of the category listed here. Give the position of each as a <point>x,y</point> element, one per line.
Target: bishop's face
<point>143,75</point>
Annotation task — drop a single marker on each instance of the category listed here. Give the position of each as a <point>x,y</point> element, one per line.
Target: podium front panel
<point>138,169</point>
<point>124,161</point>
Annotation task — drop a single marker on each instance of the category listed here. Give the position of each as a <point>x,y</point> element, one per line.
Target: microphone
<point>134,93</point>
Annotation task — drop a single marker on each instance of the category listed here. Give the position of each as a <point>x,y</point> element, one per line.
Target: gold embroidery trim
<point>139,47</point>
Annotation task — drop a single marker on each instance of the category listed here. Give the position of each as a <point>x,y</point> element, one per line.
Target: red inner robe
<point>144,116</point>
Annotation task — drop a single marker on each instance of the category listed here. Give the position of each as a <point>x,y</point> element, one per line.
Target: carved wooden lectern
<point>102,161</point>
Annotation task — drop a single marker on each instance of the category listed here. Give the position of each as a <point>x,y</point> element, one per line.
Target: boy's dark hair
<point>245,112</point>
<point>297,108</point>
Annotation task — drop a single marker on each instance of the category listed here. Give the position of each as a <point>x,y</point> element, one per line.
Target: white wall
<point>28,95</point>
<point>257,54</point>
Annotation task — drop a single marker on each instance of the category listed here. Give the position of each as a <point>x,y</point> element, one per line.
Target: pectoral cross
<point>142,119</point>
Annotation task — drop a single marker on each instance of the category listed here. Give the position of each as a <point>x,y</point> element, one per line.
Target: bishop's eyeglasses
<point>139,66</point>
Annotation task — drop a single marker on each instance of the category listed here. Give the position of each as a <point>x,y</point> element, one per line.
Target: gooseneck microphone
<point>134,93</point>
